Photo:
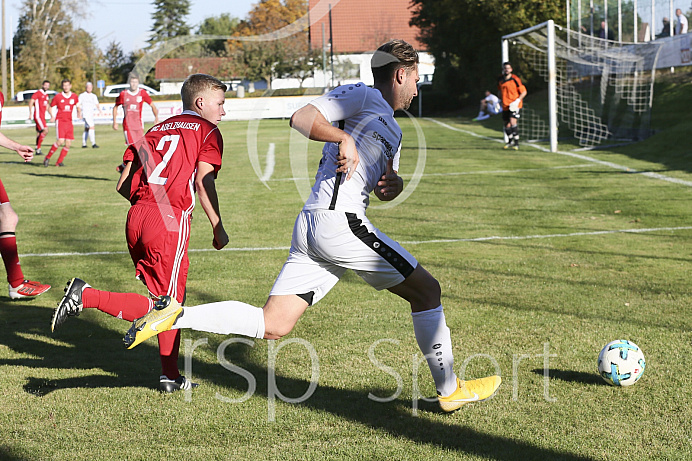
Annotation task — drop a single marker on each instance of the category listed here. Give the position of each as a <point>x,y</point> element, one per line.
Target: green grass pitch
<point>537,269</point>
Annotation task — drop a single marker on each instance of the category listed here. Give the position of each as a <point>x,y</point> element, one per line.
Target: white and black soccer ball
<point>621,363</point>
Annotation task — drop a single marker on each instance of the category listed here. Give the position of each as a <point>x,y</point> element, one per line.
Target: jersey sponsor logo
<point>177,126</point>
<point>382,120</point>
<point>388,149</point>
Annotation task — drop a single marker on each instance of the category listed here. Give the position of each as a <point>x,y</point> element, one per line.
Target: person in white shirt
<point>681,23</point>
<point>332,233</point>
<point>90,107</point>
<point>490,105</point>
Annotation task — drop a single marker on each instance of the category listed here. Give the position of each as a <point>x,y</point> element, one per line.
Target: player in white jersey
<point>332,234</point>
<point>490,105</point>
<point>90,107</point>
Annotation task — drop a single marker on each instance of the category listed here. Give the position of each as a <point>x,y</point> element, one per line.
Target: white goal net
<point>602,90</point>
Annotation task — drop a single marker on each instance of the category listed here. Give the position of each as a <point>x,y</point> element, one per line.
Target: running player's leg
<point>8,240</point>
<point>69,136</point>
<point>19,287</point>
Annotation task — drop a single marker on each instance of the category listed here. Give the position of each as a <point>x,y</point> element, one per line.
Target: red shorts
<point>40,124</point>
<point>157,238</point>
<point>3,195</point>
<point>132,135</point>
<point>64,129</point>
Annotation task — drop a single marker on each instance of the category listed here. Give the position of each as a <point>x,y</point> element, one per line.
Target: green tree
<point>260,60</point>
<point>169,20</point>
<point>224,24</point>
<point>47,46</point>
<point>116,63</point>
<point>465,35</point>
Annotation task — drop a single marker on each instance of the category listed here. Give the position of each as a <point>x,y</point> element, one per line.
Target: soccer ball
<point>621,363</point>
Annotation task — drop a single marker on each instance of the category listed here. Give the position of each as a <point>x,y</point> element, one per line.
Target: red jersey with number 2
<point>169,154</point>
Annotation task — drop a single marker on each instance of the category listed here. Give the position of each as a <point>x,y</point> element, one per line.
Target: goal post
<point>594,90</point>
<point>552,74</point>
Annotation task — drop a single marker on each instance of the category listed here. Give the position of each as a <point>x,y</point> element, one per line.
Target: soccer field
<point>543,258</point>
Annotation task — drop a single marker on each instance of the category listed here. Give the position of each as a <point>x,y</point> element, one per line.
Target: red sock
<point>39,139</point>
<point>126,306</point>
<point>169,348</point>
<point>63,154</point>
<point>52,150</point>
<point>8,248</point>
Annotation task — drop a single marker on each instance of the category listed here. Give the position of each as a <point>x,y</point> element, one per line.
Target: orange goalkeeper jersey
<point>510,90</point>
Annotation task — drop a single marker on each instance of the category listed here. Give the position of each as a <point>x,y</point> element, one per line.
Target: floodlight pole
<point>636,33</point>
<point>4,54</point>
<point>620,21</point>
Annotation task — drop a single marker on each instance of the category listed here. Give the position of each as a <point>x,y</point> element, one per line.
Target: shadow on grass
<point>71,176</point>
<point>572,376</point>
<point>82,344</point>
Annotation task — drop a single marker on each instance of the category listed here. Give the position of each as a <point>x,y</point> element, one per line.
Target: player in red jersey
<point>37,112</point>
<point>162,171</point>
<point>132,101</point>
<point>19,286</point>
<point>62,106</point>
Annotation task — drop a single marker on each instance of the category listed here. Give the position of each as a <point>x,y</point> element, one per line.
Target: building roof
<point>363,25</point>
<point>177,69</point>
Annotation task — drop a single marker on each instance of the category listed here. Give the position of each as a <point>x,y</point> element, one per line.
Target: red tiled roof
<point>363,25</point>
<point>180,68</point>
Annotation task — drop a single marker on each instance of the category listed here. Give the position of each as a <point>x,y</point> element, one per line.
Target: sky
<point>129,21</point>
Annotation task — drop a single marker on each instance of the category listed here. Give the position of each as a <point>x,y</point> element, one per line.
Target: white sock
<point>84,137</point>
<point>224,318</point>
<point>435,342</point>
<point>92,136</point>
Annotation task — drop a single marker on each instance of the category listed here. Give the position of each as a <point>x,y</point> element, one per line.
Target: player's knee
<point>8,218</point>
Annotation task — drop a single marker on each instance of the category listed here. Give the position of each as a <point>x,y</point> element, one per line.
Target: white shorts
<point>325,243</point>
<point>88,123</point>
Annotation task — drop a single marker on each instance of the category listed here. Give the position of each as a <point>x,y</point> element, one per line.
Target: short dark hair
<point>46,81</point>
<point>506,63</point>
<point>195,85</point>
<point>65,80</point>
<point>390,57</point>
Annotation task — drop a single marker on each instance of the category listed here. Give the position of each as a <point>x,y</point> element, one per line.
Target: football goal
<point>592,89</point>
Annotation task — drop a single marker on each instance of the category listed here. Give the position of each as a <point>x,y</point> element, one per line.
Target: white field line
<point>410,242</point>
<point>460,173</point>
<point>572,154</point>
<point>269,170</point>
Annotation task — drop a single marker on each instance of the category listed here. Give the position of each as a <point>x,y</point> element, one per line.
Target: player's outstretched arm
<point>115,115</point>
<point>25,152</point>
<point>311,123</point>
<point>155,110</point>
<point>206,191</point>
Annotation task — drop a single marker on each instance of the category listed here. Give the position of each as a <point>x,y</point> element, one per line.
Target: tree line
<point>48,45</point>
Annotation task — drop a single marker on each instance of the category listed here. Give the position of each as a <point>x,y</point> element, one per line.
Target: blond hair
<point>197,84</point>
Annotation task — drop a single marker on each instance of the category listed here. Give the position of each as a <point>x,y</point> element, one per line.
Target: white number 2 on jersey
<point>155,177</point>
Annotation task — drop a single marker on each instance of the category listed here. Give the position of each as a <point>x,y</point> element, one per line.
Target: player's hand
<point>220,237</point>
<point>514,105</point>
<point>348,158</point>
<point>390,184</point>
<point>25,152</point>
<point>115,126</point>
